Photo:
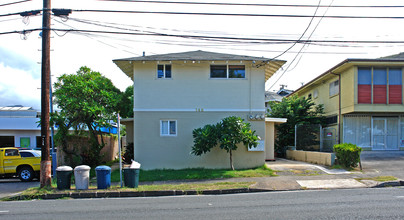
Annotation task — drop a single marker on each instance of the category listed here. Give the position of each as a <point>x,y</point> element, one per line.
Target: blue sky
<point>19,79</point>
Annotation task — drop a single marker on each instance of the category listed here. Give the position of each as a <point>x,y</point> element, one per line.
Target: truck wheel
<point>26,174</point>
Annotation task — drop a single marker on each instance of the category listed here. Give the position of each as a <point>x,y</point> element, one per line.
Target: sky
<point>20,54</point>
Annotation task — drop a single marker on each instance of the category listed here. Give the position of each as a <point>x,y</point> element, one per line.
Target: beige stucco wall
<point>156,152</point>
<point>269,141</point>
<point>193,99</point>
<point>192,88</point>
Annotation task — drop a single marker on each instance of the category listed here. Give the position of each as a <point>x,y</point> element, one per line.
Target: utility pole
<point>45,178</point>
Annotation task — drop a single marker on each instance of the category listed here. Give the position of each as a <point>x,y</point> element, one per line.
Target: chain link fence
<point>313,137</point>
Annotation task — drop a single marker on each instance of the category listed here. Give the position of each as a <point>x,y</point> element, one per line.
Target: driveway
<point>9,187</point>
<point>384,163</point>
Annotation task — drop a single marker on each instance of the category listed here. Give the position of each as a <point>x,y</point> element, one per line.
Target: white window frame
<point>227,71</point>
<point>168,128</point>
<point>164,71</point>
<point>334,89</point>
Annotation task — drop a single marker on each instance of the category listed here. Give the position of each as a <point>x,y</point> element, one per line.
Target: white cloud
<point>19,87</point>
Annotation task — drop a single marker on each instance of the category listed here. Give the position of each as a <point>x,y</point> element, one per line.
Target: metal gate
<point>329,139</point>
<point>315,138</point>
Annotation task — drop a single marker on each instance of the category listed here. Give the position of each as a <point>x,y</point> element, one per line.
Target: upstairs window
<point>315,93</point>
<point>395,87</point>
<point>227,71</point>
<point>334,88</point>
<point>379,85</point>
<point>168,128</point>
<point>364,85</point>
<point>164,71</point>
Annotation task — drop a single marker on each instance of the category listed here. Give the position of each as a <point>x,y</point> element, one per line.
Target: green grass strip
<point>197,174</point>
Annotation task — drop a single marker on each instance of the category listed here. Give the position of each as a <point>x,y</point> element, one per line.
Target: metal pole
<point>45,178</point>
<point>120,150</point>
<point>295,136</point>
<point>54,159</point>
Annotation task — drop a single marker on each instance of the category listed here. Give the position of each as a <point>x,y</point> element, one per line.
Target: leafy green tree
<point>126,103</point>
<point>297,110</point>
<point>90,99</point>
<point>228,133</point>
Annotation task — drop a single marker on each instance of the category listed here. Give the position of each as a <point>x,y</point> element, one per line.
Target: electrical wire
<point>236,14</point>
<point>87,35</point>
<point>12,3</point>
<point>234,38</point>
<point>254,4</point>
<point>303,46</point>
<point>10,14</point>
<point>301,36</point>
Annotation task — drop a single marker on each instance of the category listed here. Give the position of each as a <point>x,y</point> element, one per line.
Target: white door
<point>385,133</point>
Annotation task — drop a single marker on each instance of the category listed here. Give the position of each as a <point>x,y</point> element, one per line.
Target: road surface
<point>366,203</point>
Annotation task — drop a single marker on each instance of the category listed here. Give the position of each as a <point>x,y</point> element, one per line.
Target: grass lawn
<point>36,192</point>
<point>197,173</point>
<point>379,178</point>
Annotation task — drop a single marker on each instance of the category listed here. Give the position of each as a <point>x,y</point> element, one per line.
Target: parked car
<point>11,163</point>
<point>30,153</point>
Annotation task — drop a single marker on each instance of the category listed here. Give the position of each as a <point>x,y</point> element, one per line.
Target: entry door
<point>385,133</point>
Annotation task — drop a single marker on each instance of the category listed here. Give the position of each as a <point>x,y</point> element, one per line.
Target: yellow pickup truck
<point>11,164</point>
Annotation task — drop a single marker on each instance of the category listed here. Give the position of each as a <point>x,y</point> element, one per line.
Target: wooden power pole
<point>45,177</point>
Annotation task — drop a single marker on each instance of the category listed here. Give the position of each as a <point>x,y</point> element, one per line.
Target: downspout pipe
<point>339,107</point>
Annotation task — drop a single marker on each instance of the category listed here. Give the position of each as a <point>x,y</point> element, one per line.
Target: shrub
<point>128,155</point>
<point>348,155</point>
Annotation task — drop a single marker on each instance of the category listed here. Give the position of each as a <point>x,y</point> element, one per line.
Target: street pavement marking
<point>6,211</point>
<point>330,184</point>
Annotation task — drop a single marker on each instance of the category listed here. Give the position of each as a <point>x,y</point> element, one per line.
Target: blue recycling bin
<point>103,177</point>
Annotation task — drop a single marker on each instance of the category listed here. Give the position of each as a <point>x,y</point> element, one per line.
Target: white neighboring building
<point>19,127</point>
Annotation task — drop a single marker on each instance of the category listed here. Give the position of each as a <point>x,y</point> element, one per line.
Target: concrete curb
<point>117,194</point>
<point>390,184</point>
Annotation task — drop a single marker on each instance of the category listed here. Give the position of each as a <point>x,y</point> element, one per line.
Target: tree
<point>228,133</point>
<point>297,110</point>
<point>90,99</point>
<point>126,103</point>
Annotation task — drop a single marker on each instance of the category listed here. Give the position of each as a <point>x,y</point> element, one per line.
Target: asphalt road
<point>380,203</point>
<point>386,163</point>
<point>11,186</point>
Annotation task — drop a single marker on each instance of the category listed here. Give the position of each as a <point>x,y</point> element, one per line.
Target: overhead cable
<point>255,4</point>
<point>237,14</point>
<point>12,3</point>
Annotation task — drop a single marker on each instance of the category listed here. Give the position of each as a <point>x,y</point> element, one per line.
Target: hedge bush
<point>348,155</point>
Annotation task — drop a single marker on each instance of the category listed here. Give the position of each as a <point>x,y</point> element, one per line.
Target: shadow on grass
<point>197,174</point>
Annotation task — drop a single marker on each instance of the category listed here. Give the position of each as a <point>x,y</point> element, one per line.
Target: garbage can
<point>103,177</point>
<point>64,176</point>
<point>82,176</point>
<point>131,177</point>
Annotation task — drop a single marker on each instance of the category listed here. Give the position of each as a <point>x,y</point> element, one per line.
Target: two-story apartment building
<point>178,92</point>
<point>363,100</point>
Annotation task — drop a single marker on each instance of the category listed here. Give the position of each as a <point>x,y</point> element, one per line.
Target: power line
<point>253,4</point>
<point>308,26</point>
<point>10,14</point>
<point>254,40</point>
<point>12,3</point>
<point>237,14</point>
<point>301,49</point>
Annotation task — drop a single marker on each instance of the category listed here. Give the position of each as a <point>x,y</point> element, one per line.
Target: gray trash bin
<point>82,176</point>
<point>64,176</point>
